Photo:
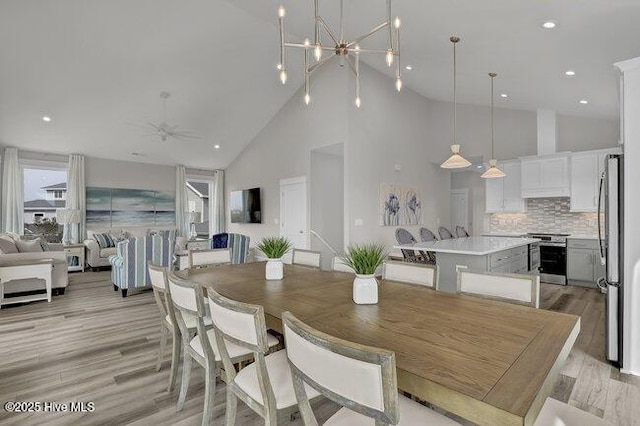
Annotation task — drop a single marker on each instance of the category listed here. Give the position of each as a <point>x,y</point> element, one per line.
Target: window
<point>45,188</point>
<point>198,190</point>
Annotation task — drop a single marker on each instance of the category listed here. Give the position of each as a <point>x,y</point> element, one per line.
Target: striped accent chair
<point>238,243</point>
<point>129,264</point>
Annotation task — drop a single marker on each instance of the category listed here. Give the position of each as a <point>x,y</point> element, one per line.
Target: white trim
<point>27,163</point>
<point>628,65</point>
<point>293,180</point>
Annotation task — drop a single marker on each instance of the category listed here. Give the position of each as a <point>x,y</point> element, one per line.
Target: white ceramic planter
<point>365,290</point>
<point>274,270</point>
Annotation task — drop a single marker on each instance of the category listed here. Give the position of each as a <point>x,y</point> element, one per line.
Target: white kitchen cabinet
<point>546,176</point>
<point>503,194</point>
<point>586,168</point>
<point>583,262</point>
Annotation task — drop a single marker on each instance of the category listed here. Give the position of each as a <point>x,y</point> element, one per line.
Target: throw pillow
<point>7,244</point>
<point>104,240</point>
<point>32,246</point>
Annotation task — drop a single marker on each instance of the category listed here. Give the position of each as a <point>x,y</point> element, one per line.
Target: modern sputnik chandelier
<point>339,47</point>
<point>493,171</point>
<point>456,161</point>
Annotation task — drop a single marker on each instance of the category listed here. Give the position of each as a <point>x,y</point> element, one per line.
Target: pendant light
<point>493,171</point>
<point>456,161</point>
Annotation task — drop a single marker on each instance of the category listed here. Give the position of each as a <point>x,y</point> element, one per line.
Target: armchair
<point>129,264</point>
<point>238,243</point>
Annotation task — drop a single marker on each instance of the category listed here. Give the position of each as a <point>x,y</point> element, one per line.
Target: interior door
<point>293,211</point>
<point>459,208</point>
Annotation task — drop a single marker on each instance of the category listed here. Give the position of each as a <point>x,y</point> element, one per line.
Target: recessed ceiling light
<point>216,146</point>
<point>549,25</point>
<point>479,166</point>
<point>570,73</point>
<point>504,95</point>
<point>46,119</point>
<point>584,101</point>
<point>408,67</point>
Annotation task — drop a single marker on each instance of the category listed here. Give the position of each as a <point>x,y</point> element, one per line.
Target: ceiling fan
<point>165,130</point>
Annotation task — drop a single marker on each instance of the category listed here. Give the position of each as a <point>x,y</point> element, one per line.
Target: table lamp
<point>67,217</point>
<point>194,217</point>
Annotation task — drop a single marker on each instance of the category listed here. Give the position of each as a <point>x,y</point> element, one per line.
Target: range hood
<point>547,174</point>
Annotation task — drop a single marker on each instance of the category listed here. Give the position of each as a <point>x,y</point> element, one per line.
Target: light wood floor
<point>90,345</point>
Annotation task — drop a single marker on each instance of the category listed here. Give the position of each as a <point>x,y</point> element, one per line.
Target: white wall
<point>631,137</point>
<point>585,133</point>
<point>327,203</point>
<point>123,174</point>
<point>391,128</point>
<point>283,148</point>
<point>476,185</point>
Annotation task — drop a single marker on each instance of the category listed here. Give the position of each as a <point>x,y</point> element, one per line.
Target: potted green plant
<point>274,248</point>
<point>365,259</point>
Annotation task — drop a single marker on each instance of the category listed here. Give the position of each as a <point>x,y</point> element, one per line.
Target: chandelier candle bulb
<point>389,57</point>
<point>398,84</point>
<point>283,76</point>
<point>396,22</point>
<point>281,11</point>
<point>317,52</point>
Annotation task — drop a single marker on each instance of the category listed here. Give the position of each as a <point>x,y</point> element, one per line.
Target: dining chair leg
<point>186,373</point>
<point>163,345</point>
<point>231,408</point>
<point>175,360</point>
<point>209,394</point>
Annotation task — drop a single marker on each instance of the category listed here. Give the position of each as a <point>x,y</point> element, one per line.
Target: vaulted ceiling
<point>98,67</point>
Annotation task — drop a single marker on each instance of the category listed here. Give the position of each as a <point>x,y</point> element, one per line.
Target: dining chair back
<point>426,235</point>
<point>188,300</point>
<point>413,273</point>
<point>306,258</point>
<point>168,323</point>
<point>514,288</point>
<point>339,265</point>
<point>204,258</point>
<point>405,237</point>
<point>265,385</point>
<point>360,378</point>
<point>461,232</point>
<point>445,234</point>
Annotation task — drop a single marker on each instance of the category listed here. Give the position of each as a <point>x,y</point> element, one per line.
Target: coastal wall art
<point>400,205</point>
<point>111,207</point>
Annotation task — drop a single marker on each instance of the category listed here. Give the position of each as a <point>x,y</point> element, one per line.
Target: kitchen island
<point>490,254</point>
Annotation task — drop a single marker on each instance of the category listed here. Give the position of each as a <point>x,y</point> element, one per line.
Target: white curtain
<point>182,203</point>
<point>219,224</point>
<point>12,193</point>
<point>76,196</point>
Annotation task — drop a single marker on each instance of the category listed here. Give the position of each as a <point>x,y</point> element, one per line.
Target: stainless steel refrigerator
<point>611,236</point>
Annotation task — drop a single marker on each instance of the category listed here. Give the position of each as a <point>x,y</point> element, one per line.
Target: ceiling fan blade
<point>180,135</point>
<point>155,126</point>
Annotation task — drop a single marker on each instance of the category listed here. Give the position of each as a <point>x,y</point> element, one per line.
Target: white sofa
<point>10,254</point>
<point>97,257</point>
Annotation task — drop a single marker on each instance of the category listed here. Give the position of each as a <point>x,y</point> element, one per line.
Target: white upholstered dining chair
<point>265,385</point>
<point>204,258</point>
<point>514,288</point>
<point>168,324</point>
<point>360,378</point>
<point>338,264</point>
<point>188,299</point>
<point>414,273</point>
<point>306,258</point>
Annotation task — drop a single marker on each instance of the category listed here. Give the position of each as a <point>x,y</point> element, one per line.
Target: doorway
<point>293,211</point>
<point>460,208</point>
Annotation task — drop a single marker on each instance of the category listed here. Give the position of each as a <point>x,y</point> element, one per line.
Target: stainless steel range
<point>553,257</point>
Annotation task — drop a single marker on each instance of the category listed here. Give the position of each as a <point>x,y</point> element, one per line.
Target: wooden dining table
<point>490,362</point>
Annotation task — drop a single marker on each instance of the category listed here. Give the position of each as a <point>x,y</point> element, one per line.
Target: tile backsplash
<point>545,215</point>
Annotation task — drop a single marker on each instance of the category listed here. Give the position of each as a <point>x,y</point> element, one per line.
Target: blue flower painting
<point>400,205</point>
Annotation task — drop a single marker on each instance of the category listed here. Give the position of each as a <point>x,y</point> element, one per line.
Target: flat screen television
<point>246,206</point>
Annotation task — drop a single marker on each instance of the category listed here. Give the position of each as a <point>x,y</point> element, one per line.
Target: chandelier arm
<point>397,52</point>
<point>352,65</point>
<point>303,46</point>
<point>377,51</point>
<point>328,30</point>
<point>282,43</point>
<point>390,28</point>
<point>369,34</point>
<point>317,65</point>
<point>317,27</point>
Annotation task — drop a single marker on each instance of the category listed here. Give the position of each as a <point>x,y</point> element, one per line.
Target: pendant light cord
<point>492,75</point>
<point>454,40</point>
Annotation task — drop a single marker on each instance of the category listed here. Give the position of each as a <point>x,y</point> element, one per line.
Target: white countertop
<point>477,246</point>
